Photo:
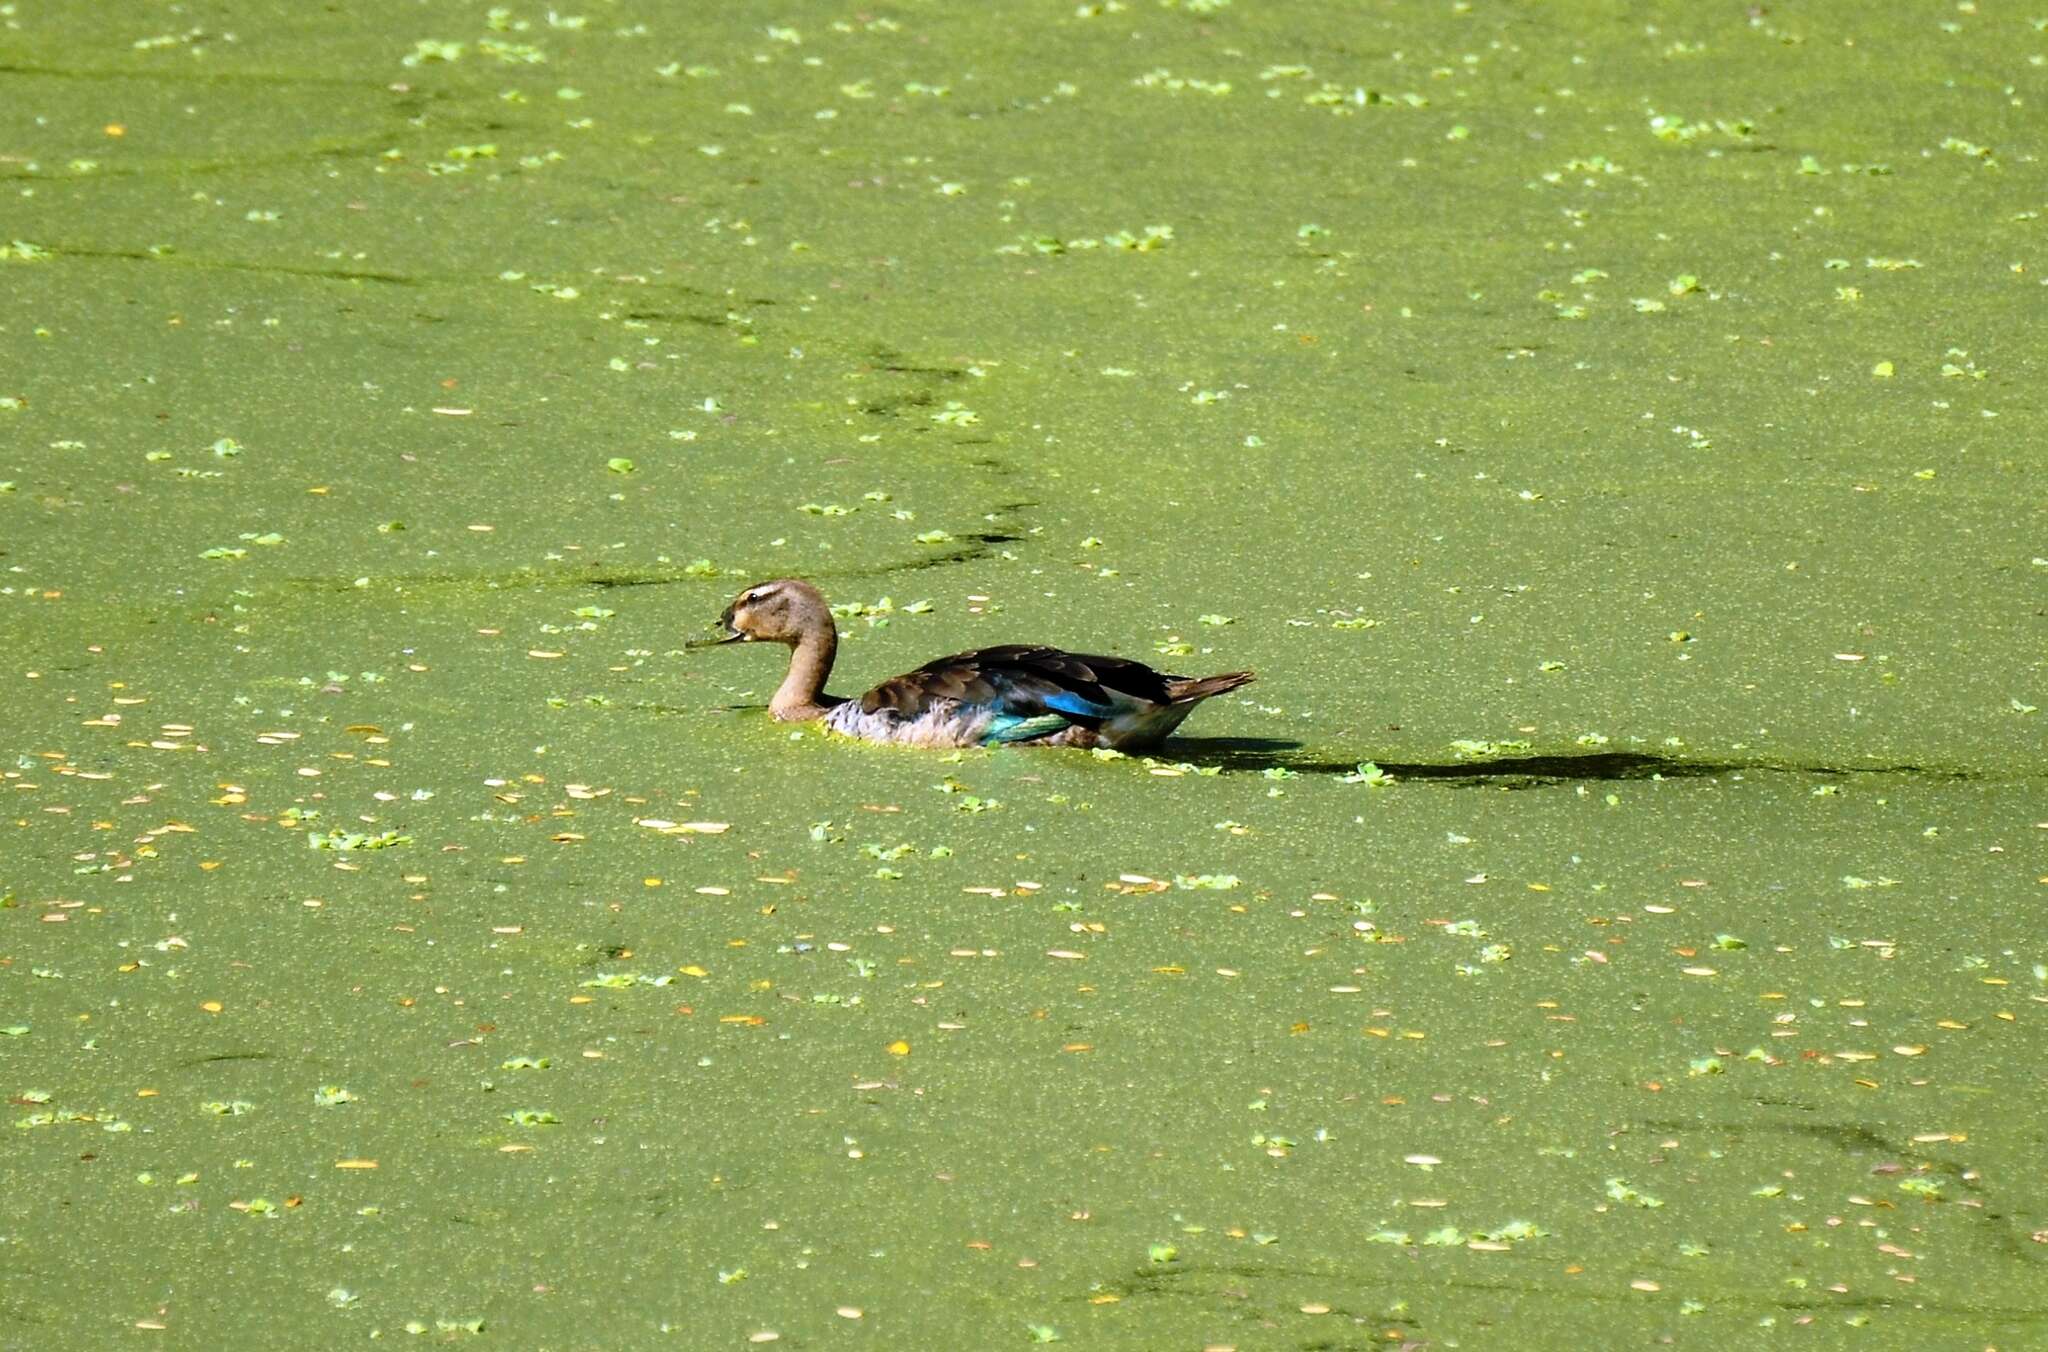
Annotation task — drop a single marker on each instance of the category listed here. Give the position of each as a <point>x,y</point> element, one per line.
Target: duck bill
<point>726,634</point>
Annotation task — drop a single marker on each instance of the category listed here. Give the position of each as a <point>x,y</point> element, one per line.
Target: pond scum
<point>1609,917</point>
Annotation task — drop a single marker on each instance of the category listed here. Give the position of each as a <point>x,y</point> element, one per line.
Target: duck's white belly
<point>946,723</point>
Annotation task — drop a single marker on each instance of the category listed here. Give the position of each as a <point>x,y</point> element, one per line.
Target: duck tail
<point>1192,689</point>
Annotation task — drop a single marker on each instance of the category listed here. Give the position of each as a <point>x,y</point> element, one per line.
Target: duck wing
<point>1022,681</point>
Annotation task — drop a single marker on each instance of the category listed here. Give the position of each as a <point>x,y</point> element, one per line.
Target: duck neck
<point>802,693</point>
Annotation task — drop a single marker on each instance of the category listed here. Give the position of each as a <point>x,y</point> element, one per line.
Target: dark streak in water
<point>1233,754</point>
<point>1208,1283</point>
<point>611,576</point>
<point>225,265</point>
<point>229,79</point>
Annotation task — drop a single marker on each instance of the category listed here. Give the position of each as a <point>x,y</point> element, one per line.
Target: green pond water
<point>1618,427</point>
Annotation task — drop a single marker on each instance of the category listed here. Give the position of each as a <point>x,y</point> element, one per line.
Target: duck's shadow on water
<point>1255,755</point>
<point>1252,754</point>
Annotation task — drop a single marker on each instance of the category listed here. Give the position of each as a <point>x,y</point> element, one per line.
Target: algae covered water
<point>1612,433</point>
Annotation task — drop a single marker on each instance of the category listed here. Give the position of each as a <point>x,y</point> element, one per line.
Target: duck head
<point>787,610</point>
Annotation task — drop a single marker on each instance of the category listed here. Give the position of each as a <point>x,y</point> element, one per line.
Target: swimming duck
<point>1012,695</point>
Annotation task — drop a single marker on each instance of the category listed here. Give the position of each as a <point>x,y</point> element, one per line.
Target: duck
<point>1013,695</point>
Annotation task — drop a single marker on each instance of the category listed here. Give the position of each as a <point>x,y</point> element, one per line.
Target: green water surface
<point>1616,428</point>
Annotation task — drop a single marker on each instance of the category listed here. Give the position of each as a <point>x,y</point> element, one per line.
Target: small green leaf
<point>532,1117</point>
<point>1621,1191</point>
